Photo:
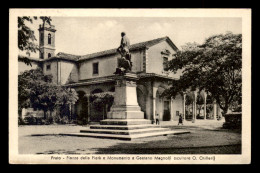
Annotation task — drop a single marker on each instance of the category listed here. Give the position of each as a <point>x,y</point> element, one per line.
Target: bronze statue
<point>124,62</point>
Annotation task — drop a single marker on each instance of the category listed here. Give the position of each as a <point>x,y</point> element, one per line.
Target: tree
<point>36,90</point>
<point>66,98</point>
<point>31,84</point>
<point>26,37</point>
<point>214,66</point>
<point>103,101</point>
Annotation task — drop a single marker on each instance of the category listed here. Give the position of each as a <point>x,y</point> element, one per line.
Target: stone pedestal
<point>125,104</point>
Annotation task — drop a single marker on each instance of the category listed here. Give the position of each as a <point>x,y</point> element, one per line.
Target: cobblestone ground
<point>203,139</point>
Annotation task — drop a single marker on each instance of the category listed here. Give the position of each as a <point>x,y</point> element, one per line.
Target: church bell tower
<point>47,41</point>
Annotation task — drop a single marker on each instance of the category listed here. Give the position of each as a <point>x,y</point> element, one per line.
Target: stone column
<point>219,111</point>
<point>193,120</point>
<point>149,100</point>
<point>214,109</point>
<point>154,101</point>
<point>88,108</point>
<point>205,105</point>
<point>171,109</point>
<point>194,106</point>
<point>184,102</point>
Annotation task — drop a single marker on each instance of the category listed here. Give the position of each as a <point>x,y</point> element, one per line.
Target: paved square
<point>204,139</point>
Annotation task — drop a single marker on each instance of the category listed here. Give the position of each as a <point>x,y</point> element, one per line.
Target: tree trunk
<point>70,110</point>
<point>44,114</point>
<point>225,110</point>
<point>20,113</point>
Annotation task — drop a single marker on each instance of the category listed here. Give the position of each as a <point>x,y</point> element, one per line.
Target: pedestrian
<point>157,119</point>
<point>180,120</point>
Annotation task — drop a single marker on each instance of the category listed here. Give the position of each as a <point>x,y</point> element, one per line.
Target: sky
<point>84,35</point>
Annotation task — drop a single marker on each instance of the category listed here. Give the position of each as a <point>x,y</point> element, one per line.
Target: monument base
<point>125,130</point>
<point>125,112</point>
<point>125,119</point>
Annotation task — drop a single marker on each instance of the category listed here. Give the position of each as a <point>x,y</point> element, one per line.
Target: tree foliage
<point>26,36</point>
<point>214,66</point>
<point>102,98</point>
<point>37,91</point>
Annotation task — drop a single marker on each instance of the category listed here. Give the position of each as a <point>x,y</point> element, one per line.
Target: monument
<point>125,104</point>
<point>124,62</point>
<point>125,120</point>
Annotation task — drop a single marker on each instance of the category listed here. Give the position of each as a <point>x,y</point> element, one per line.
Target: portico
<point>210,110</point>
<point>151,88</point>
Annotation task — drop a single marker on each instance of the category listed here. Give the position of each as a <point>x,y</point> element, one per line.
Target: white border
<point>245,14</point>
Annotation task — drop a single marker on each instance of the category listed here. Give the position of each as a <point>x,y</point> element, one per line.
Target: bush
<point>83,121</point>
<point>30,120</point>
<point>49,120</point>
<point>41,121</point>
<point>57,119</point>
<point>21,121</point>
<point>233,121</point>
<point>64,120</point>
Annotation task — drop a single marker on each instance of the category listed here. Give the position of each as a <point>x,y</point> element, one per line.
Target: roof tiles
<point>145,44</point>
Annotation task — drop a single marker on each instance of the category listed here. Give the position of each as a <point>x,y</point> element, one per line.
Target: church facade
<point>94,73</point>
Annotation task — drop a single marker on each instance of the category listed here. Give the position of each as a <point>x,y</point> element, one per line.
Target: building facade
<point>94,73</point>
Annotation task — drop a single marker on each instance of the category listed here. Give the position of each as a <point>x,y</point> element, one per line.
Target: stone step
<point>124,127</point>
<point>125,121</point>
<point>126,137</point>
<point>125,132</point>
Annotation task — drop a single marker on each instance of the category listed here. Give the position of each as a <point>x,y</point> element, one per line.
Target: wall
<point>155,59</point>
<point>47,51</point>
<point>177,105</point>
<point>69,72</point>
<point>159,107</point>
<point>53,71</point>
<point>89,88</point>
<point>30,112</point>
<point>137,60</point>
<point>107,65</point>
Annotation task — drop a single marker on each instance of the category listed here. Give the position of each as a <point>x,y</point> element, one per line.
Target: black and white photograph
<point>130,86</point>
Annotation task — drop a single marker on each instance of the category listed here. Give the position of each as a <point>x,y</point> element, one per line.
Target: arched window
<point>49,55</point>
<point>49,38</point>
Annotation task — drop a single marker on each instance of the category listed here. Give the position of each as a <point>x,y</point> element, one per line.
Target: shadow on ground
<point>62,151</point>
<point>229,149</point>
<point>199,141</point>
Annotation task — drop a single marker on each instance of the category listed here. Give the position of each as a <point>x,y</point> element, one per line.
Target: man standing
<point>180,120</point>
<point>157,121</point>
